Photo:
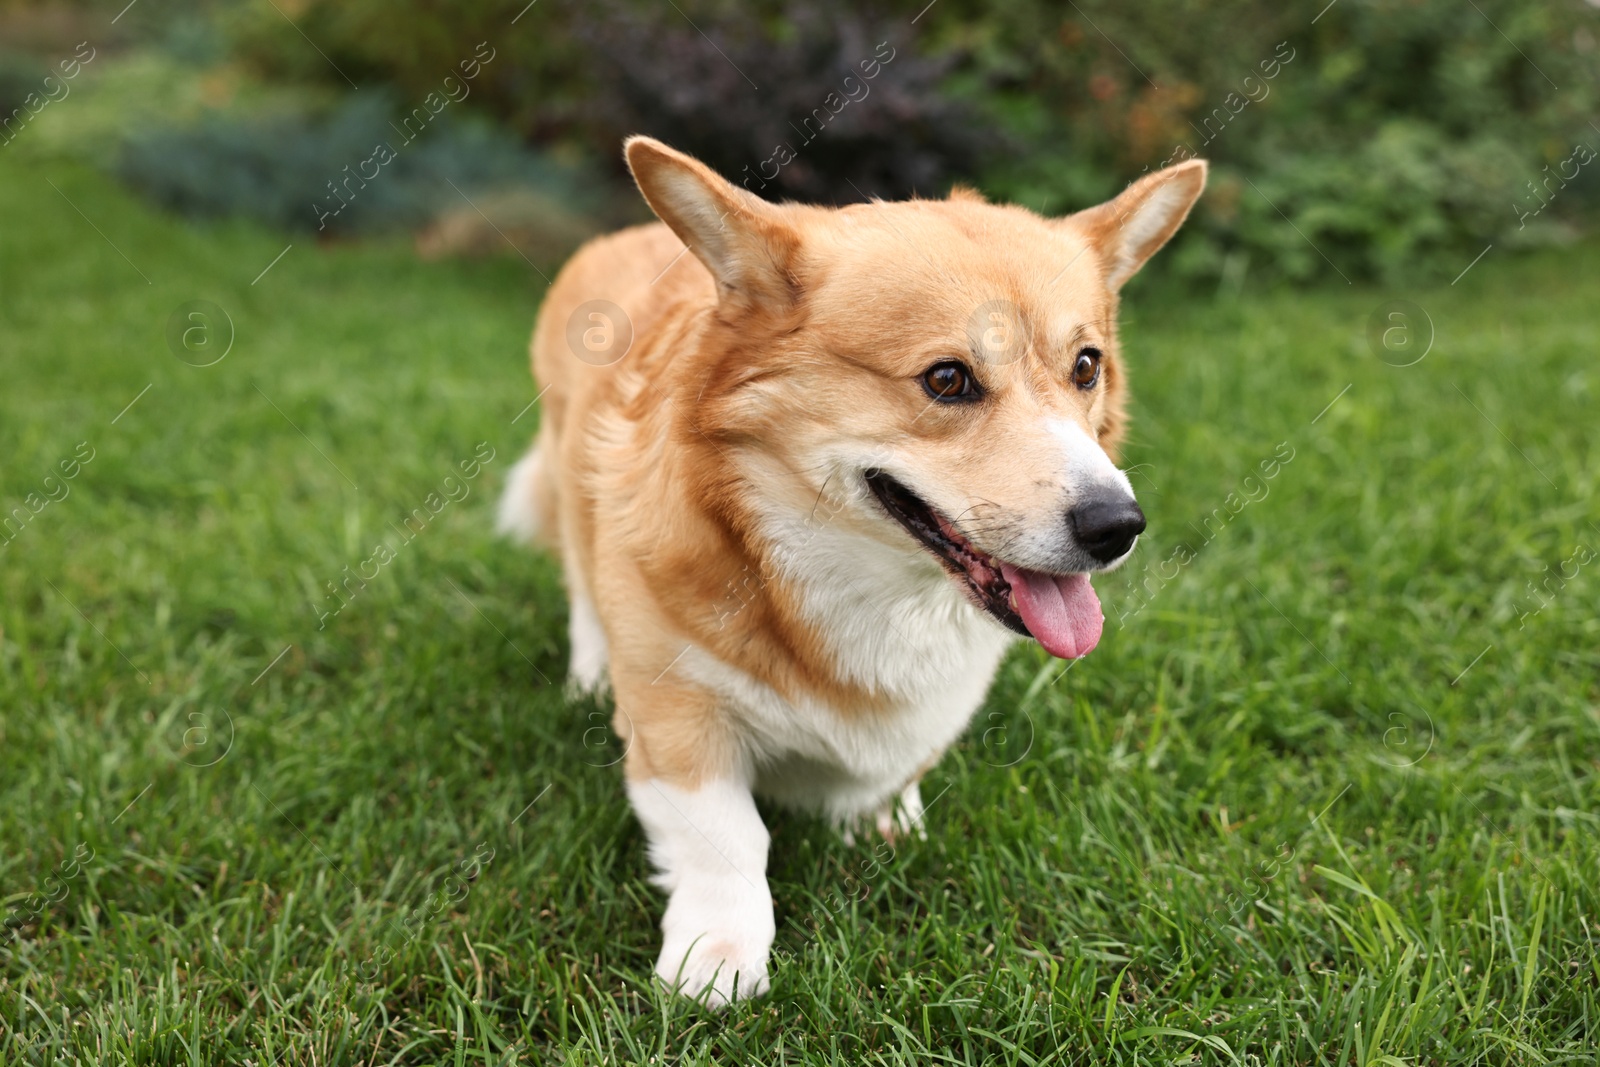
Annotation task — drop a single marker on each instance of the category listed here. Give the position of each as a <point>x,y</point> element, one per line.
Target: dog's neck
<point>892,621</point>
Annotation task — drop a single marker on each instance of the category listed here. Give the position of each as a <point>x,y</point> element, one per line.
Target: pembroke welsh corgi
<point>809,472</point>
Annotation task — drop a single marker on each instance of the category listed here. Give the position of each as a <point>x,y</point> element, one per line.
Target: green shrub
<point>759,81</point>
<point>351,170</point>
<point>1398,137</point>
<point>819,104</point>
<point>19,76</point>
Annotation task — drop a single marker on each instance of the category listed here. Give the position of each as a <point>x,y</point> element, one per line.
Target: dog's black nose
<point>1106,526</point>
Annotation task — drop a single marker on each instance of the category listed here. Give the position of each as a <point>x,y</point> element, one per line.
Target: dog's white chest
<point>902,631</point>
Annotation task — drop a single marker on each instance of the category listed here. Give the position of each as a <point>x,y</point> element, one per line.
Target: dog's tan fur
<point>789,330</point>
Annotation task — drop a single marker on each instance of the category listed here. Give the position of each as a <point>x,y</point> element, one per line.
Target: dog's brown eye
<point>948,381</point>
<point>1086,371</point>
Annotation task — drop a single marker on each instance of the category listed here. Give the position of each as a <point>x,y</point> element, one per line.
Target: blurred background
<point>1398,136</point>
<point>1328,791</point>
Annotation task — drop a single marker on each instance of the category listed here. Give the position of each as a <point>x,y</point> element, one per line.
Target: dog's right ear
<point>742,239</point>
<point>1128,230</point>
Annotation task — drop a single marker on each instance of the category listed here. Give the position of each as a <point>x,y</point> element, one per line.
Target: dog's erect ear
<point>740,237</point>
<point>1130,229</point>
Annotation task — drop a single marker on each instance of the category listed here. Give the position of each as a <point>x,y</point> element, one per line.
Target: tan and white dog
<point>807,485</point>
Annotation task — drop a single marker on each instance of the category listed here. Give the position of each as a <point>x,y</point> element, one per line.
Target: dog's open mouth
<point>1060,611</point>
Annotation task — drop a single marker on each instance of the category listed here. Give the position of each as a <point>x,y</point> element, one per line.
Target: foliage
<point>836,109</point>
<point>20,75</point>
<point>732,94</point>
<point>1328,797</point>
<point>350,170</point>
<point>1398,139</point>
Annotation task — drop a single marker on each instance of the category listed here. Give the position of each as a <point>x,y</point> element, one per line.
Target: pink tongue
<point>1061,612</point>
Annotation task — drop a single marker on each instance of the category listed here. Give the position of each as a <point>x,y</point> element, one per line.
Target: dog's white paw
<point>715,938</point>
<point>719,964</point>
<point>710,852</point>
<point>899,818</point>
<point>902,818</point>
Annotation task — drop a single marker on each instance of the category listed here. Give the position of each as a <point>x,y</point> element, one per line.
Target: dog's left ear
<point>742,239</point>
<point>1128,230</point>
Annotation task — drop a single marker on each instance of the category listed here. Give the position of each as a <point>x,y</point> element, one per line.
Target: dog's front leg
<point>710,848</point>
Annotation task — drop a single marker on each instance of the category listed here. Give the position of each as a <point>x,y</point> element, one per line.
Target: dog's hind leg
<point>591,655</point>
<point>526,513</point>
<point>528,506</point>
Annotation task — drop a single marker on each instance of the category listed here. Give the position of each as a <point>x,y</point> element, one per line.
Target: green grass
<point>1285,814</point>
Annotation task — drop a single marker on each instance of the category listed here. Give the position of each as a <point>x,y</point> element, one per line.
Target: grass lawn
<point>1326,793</point>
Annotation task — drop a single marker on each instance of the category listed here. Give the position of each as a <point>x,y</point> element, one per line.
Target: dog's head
<point>942,375</point>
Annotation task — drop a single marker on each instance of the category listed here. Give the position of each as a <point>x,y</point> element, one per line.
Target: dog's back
<point>612,290</point>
